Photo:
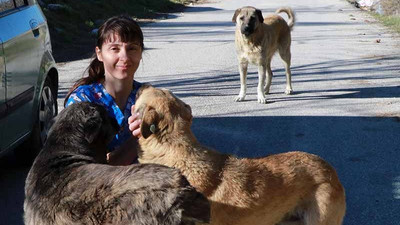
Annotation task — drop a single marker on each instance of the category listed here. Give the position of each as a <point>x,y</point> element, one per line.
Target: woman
<point>110,82</point>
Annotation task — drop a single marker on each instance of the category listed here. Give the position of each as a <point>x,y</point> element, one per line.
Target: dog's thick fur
<point>293,187</point>
<point>69,182</point>
<point>256,40</point>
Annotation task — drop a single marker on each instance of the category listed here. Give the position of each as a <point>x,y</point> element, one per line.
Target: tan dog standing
<point>256,40</point>
<point>293,187</point>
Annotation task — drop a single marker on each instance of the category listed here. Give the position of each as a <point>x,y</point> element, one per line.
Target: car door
<point>5,9</point>
<point>22,50</point>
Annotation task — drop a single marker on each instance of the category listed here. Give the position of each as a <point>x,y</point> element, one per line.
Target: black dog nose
<point>247,30</point>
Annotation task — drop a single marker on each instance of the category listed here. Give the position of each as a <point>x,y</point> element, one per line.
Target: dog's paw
<point>289,91</point>
<point>266,90</point>
<point>239,98</point>
<point>262,100</point>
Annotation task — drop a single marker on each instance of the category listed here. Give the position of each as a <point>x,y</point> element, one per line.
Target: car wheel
<point>48,109</point>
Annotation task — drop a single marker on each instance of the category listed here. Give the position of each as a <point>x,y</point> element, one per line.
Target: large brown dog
<point>294,187</point>
<point>70,182</point>
<point>256,40</point>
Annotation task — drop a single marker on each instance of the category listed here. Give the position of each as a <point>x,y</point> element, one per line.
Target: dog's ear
<point>235,15</point>
<point>189,116</point>
<point>150,119</point>
<point>144,86</point>
<point>92,125</point>
<point>259,16</point>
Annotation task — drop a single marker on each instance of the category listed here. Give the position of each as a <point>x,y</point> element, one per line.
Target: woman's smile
<point>123,67</point>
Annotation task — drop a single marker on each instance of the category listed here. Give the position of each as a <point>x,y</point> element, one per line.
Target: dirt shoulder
<point>73,26</point>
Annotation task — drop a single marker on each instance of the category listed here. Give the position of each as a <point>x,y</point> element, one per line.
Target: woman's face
<point>120,59</point>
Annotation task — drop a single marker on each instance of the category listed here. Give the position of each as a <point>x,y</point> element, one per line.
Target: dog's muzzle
<point>246,30</point>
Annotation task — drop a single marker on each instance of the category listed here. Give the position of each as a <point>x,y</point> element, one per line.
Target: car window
<point>20,3</point>
<point>6,5</point>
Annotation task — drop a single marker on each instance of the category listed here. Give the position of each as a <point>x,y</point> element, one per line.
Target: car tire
<point>47,110</point>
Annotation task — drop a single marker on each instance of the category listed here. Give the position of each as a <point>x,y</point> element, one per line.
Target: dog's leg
<point>243,79</point>
<point>269,78</point>
<point>289,89</point>
<point>261,81</point>
<point>286,57</point>
<point>328,207</point>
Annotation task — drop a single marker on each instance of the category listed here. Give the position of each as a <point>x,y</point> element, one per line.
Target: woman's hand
<point>134,123</point>
<point>124,154</point>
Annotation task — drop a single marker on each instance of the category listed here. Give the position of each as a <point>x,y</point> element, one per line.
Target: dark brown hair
<point>127,29</point>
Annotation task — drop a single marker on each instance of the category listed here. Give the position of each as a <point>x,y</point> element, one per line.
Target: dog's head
<point>161,112</point>
<point>247,19</point>
<point>84,124</point>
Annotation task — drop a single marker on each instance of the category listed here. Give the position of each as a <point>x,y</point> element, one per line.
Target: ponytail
<point>95,72</point>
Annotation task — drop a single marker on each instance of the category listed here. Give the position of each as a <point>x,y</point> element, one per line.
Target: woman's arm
<point>125,154</point>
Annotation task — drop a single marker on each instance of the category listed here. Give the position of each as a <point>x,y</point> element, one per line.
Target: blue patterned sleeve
<point>79,95</point>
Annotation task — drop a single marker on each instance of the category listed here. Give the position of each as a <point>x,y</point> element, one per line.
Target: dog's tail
<point>290,14</point>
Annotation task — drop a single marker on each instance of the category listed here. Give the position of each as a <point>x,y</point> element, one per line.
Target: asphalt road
<point>345,106</point>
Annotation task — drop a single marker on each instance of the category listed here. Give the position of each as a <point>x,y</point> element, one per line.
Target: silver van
<point>28,76</point>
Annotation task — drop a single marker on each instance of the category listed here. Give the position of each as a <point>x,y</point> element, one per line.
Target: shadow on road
<point>364,151</point>
<point>12,183</point>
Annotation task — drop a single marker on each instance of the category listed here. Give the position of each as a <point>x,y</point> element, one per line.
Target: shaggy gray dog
<point>70,182</point>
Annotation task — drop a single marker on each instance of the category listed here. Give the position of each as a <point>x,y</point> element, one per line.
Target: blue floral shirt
<point>97,93</point>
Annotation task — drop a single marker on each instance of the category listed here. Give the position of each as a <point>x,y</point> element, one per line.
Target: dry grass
<point>390,14</point>
<point>390,7</point>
